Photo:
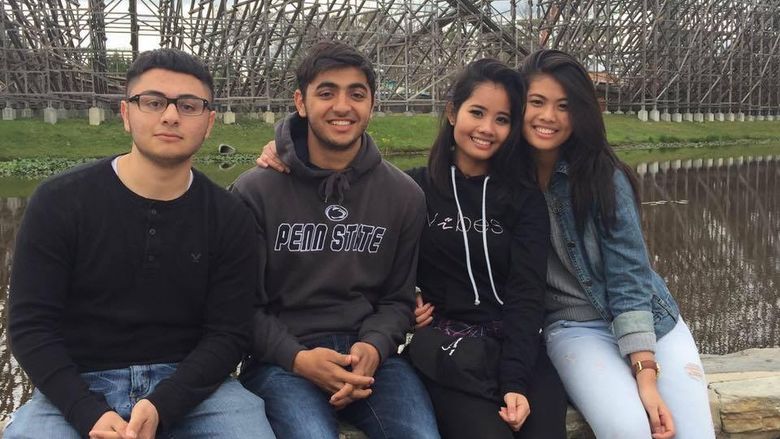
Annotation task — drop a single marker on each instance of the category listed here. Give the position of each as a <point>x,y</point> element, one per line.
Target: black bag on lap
<point>467,364</point>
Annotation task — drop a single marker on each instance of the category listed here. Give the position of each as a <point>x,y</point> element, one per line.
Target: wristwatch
<point>646,364</point>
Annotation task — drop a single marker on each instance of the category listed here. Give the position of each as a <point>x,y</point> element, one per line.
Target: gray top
<point>565,299</point>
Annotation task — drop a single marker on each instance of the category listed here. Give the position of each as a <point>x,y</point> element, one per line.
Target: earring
<point>452,148</point>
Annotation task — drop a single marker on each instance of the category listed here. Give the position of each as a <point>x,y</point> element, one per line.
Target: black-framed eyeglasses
<point>185,105</point>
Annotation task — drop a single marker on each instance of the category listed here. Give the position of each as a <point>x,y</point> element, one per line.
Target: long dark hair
<point>592,162</point>
<point>512,165</point>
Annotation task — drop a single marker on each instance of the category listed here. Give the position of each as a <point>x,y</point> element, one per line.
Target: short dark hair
<point>511,165</point>
<point>170,59</point>
<point>329,55</point>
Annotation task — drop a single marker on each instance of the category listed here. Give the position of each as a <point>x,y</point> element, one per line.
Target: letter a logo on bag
<point>452,346</point>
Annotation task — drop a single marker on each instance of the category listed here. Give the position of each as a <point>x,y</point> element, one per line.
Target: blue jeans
<point>230,412</point>
<point>600,384</point>
<point>398,407</point>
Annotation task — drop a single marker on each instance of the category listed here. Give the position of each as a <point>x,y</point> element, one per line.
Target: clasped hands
<point>328,370</point>
<point>142,425</point>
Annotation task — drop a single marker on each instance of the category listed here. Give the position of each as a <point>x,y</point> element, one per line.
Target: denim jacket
<point>613,269</point>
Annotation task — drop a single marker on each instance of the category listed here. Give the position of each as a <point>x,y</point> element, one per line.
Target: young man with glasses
<point>132,285</point>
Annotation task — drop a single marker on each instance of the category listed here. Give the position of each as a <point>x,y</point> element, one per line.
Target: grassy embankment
<point>32,149</point>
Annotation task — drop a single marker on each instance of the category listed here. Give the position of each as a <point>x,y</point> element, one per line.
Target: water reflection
<point>712,228</point>
<point>14,386</point>
<point>719,251</point>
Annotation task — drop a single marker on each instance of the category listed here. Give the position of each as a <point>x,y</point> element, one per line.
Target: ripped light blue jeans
<point>600,384</point>
<point>230,412</point>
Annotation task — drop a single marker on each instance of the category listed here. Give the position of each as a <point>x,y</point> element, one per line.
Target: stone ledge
<point>744,397</point>
<point>745,393</point>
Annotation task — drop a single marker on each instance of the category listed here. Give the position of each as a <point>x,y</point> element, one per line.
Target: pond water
<point>713,232</point>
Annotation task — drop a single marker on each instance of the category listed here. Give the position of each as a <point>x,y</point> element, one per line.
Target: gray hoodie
<point>338,249</point>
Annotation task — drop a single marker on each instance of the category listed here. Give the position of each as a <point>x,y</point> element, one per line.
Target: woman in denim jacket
<point>611,321</point>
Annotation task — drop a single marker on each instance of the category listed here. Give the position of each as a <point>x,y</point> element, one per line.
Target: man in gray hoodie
<point>338,241</point>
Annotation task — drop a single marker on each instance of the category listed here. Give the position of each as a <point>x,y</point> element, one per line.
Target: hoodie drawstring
<point>484,241</point>
<point>466,239</point>
<point>337,182</point>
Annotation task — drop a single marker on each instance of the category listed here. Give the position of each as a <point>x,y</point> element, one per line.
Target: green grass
<point>74,138</point>
<point>247,136</point>
<point>627,130</point>
<point>636,156</point>
<point>68,139</point>
<point>32,149</point>
<point>225,174</point>
<point>396,133</point>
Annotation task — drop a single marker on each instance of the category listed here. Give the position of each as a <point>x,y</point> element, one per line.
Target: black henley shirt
<point>103,279</point>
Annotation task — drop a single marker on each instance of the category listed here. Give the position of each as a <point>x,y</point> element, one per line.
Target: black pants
<point>463,416</point>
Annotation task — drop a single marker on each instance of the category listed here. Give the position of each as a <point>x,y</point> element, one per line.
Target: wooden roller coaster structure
<point>674,56</point>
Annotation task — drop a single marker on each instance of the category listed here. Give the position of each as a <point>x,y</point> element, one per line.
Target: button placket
<point>152,238</point>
